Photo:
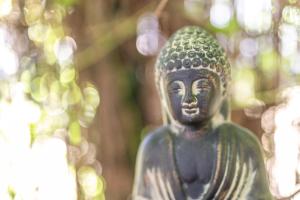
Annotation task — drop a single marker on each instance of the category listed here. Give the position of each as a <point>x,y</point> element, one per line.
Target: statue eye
<point>177,88</point>
<point>178,91</point>
<point>200,85</point>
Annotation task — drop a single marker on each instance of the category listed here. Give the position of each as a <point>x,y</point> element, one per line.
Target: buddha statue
<point>194,156</point>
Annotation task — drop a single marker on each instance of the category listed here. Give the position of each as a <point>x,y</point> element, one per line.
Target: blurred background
<point>77,92</point>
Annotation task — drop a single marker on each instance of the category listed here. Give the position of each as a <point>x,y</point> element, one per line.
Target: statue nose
<point>189,98</point>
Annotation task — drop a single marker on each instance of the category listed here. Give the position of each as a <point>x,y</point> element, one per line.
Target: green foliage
<point>231,28</point>
<point>74,133</point>
<point>91,185</point>
<point>53,107</point>
<point>67,2</point>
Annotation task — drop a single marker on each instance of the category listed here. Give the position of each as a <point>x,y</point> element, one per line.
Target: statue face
<point>192,96</point>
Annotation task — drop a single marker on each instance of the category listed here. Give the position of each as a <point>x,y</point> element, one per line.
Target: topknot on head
<point>192,47</point>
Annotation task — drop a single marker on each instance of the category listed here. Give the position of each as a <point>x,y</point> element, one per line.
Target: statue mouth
<point>190,111</point>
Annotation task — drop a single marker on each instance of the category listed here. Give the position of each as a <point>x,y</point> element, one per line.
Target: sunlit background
<point>44,110</point>
<point>60,140</point>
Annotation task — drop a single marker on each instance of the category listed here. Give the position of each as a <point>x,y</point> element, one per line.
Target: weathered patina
<point>194,156</point>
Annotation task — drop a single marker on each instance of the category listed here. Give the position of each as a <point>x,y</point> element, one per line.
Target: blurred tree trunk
<point>116,128</point>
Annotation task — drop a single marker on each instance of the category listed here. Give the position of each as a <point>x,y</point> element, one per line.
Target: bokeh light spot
<point>220,14</point>
<point>289,38</point>
<point>75,133</point>
<point>5,7</point>
<point>37,32</point>
<point>194,8</point>
<point>91,96</point>
<point>249,47</point>
<point>148,44</point>
<point>254,16</point>
<point>291,15</point>
<point>67,75</point>
<point>9,62</point>
<point>64,49</point>
<point>90,183</point>
<point>146,23</point>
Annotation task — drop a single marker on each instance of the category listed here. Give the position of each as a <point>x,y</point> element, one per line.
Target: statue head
<point>192,76</point>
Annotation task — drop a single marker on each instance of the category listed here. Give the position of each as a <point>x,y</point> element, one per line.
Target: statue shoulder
<point>246,151</point>
<point>244,136</point>
<point>155,141</point>
<point>246,139</point>
<point>236,130</point>
<point>151,154</point>
<point>154,145</point>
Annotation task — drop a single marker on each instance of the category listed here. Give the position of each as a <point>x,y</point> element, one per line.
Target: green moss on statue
<point>192,156</point>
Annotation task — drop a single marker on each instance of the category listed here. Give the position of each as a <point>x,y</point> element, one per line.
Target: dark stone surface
<point>195,155</point>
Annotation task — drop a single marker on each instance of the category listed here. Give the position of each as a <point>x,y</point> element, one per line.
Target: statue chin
<point>195,117</point>
<point>196,120</point>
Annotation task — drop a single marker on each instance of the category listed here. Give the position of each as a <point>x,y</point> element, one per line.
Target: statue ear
<point>225,109</point>
<point>223,113</point>
<point>165,116</point>
<point>164,112</point>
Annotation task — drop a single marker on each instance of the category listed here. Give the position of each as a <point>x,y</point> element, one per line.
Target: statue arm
<point>152,175</point>
<point>257,185</point>
<point>149,182</point>
<point>242,154</point>
<point>261,184</point>
<point>139,187</point>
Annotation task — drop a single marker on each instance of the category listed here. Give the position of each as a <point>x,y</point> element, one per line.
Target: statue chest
<point>195,162</point>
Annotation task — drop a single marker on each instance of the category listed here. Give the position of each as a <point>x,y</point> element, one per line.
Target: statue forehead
<point>190,75</point>
<point>194,48</point>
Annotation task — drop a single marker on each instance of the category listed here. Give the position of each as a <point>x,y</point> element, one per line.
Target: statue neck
<point>191,131</point>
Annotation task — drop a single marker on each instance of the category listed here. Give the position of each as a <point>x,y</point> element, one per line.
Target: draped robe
<point>238,170</point>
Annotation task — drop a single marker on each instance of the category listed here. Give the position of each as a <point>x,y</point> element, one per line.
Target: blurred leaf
<point>87,115</point>
<point>230,29</point>
<point>243,86</point>
<point>37,33</point>
<point>75,133</point>
<point>53,34</point>
<point>268,61</point>
<point>72,95</point>
<point>67,2</point>
<point>56,90</point>
<point>91,184</point>
<point>91,96</point>
<point>38,90</point>
<point>33,12</point>
<point>11,192</point>
<point>26,79</point>
<point>33,133</point>
<point>67,75</point>
<point>56,14</point>
<point>291,15</point>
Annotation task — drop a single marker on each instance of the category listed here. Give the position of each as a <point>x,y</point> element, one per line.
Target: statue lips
<point>190,111</point>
